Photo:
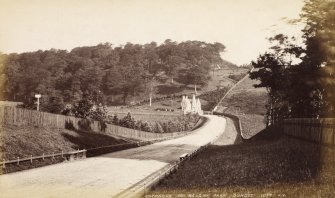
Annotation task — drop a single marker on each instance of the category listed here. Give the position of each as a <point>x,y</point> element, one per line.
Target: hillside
<point>249,104</point>
<point>227,65</point>
<point>107,74</point>
<point>220,79</point>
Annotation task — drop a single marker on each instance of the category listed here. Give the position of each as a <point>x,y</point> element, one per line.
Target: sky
<point>241,25</point>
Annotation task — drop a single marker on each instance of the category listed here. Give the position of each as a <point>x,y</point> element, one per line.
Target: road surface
<point>110,174</point>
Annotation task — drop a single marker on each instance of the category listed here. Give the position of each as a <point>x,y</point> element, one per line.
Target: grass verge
<point>282,167</point>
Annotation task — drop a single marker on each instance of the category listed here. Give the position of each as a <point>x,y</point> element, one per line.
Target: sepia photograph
<point>167,98</point>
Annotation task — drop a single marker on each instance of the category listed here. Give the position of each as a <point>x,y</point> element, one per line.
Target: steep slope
<point>249,104</point>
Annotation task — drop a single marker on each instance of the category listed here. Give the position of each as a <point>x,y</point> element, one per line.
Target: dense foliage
<point>103,72</point>
<point>182,123</point>
<point>301,79</point>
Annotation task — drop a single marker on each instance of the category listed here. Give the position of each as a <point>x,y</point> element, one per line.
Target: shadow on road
<point>91,141</point>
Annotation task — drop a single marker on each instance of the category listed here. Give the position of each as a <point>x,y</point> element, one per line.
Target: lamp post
<point>38,96</point>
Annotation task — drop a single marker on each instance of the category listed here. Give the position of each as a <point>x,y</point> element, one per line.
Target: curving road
<point>110,174</point>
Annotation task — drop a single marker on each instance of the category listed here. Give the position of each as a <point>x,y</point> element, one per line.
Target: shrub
<point>182,123</point>
<point>83,108</point>
<point>172,127</point>
<point>99,113</point>
<point>187,126</point>
<point>164,126</point>
<point>158,128</point>
<point>54,105</point>
<point>138,125</point>
<point>115,120</point>
<point>146,127</point>
<point>127,121</point>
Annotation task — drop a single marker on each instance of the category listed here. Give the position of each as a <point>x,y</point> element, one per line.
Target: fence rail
<point>69,155</point>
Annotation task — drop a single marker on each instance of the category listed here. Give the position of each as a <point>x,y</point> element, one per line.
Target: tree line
<point>300,78</point>
<point>103,72</point>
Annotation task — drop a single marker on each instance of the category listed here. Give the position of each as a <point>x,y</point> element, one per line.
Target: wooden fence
<point>24,117</point>
<point>67,155</point>
<point>317,130</point>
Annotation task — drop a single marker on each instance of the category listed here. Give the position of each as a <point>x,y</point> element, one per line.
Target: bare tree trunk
<point>150,100</point>
<point>150,95</point>
<point>145,83</point>
<point>125,94</point>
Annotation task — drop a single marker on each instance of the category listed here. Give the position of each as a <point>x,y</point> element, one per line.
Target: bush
<point>159,128</point>
<point>83,108</point>
<point>127,121</point>
<point>99,113</point>
<point>146,127</point>
<point>183,123</point>
<point>172,127</point>
<point>54,105</point>
<point>138,125</point>
<point>116,120</point>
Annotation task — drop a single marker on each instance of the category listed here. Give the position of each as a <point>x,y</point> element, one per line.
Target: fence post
<point>53,155</point>
<point>3,164</point>
<point>31,159</point>
<point>43,156</point>
<point>84,154</point>
<point>18,160</point>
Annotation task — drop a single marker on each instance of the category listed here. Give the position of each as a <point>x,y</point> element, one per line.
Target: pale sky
<point>241,25</point>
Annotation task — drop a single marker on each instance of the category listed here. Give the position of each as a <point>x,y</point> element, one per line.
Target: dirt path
<point>107,175</point>
<point>230,136</point>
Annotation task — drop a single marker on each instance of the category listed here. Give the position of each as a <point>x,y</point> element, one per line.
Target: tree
<point>53,104</point>
<point>84,107</point>
<point>319,35</point>
<point>153,67</point>
<point>103,71</point>
<point>171,57</point>
<point>113,82</point>
<point>197,64</point>
<point>301,89</point>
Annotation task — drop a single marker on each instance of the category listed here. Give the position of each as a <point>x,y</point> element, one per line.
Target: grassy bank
<point>283,167</point>
<point>248,104</point>
<point>26,141</point>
